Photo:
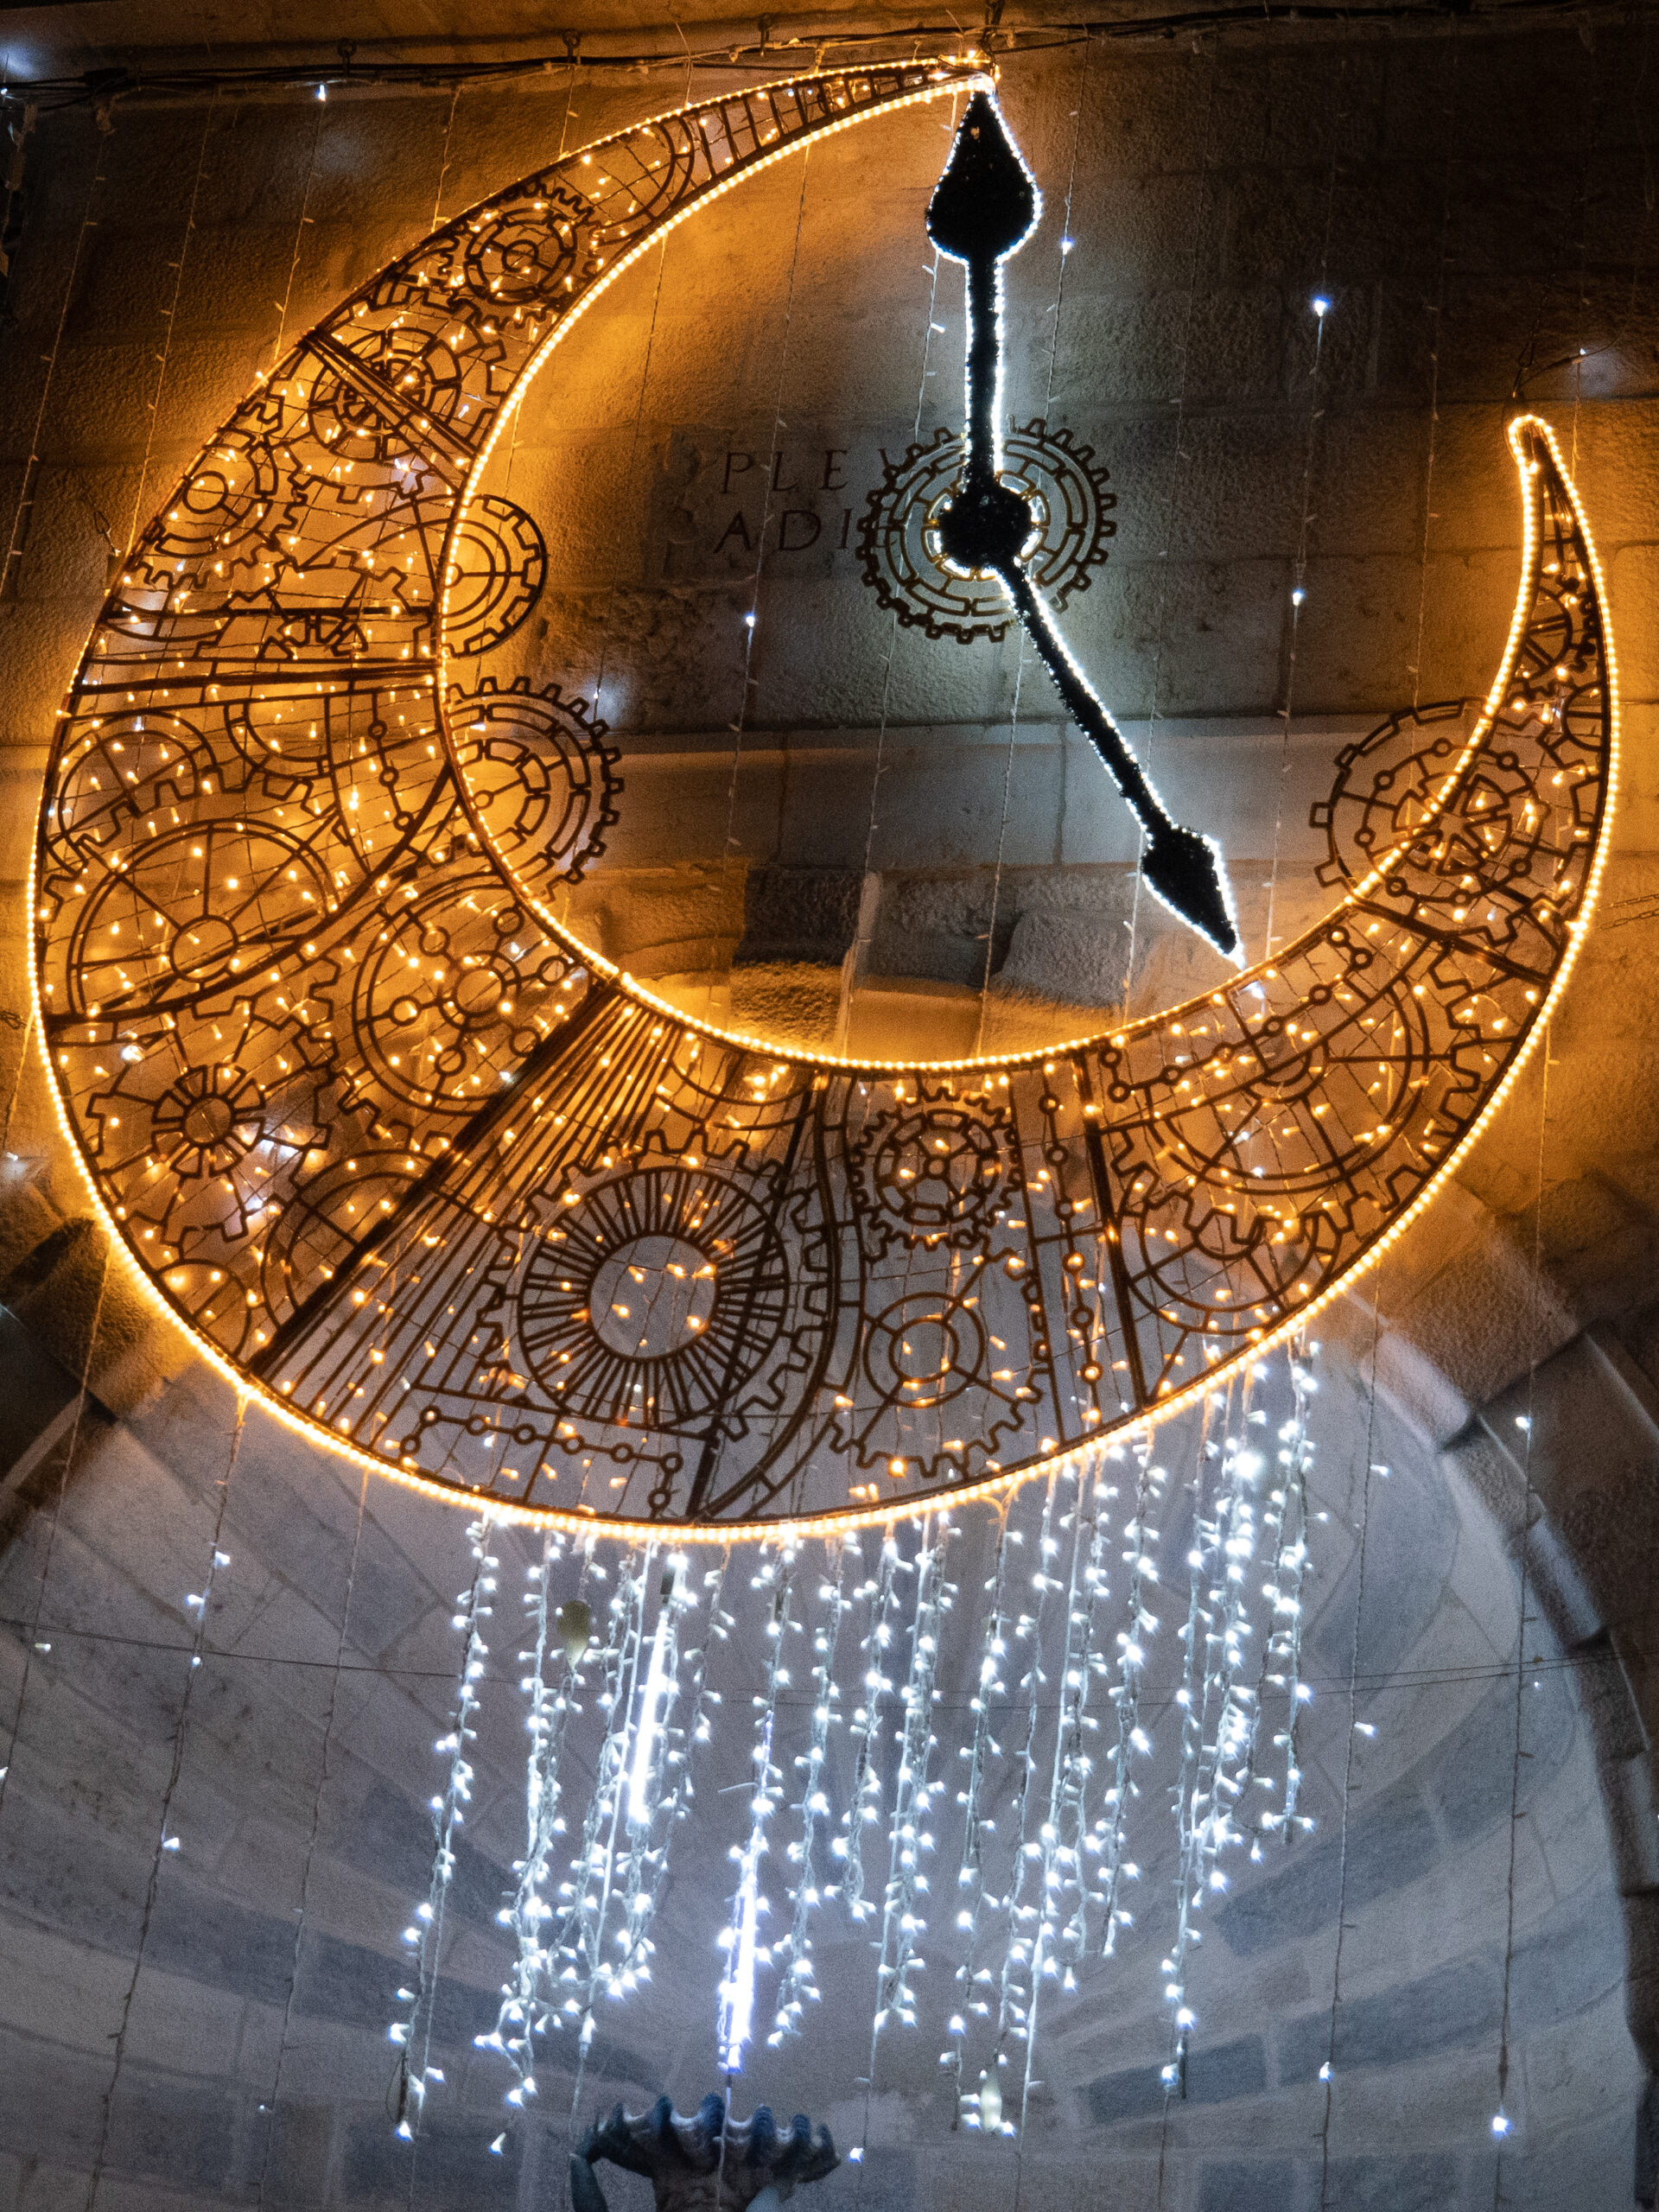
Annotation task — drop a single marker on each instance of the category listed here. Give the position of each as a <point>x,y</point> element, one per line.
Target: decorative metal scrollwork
<point>399,1148</point>
<point>1067,490</point>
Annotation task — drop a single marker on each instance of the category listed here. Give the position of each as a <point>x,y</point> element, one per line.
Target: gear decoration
<point>1386,785</point>
<point>656,1299</point>
<point>537,779</point>
<point>897,536</point>
<point>932,1172</point>
<point>343,1086</point>
<point>497,566</point>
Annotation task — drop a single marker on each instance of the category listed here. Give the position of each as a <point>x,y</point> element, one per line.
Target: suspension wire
<point>1020,664</point>
<point>844,1018</point>
<point>1327,2072</point>
<point>286,302</point>
<point>743,58</point>
<point>751,617</point>
<point>1299,569</point>
<point>1437,313</point>
<point>1501,2124</point>
<point>443,158</point>
<point>169,314</point>
<point>273,2104</point>
<point>23,511</point>
<point>1177,457</point>
<point>34,1642</point>
<point>165,1842</point>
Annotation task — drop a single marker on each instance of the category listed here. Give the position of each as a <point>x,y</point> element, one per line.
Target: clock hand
<point>983,208</point>
<point>1182,867</point>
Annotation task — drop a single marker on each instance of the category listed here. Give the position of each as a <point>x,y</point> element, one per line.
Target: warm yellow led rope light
<point>319,1303</point>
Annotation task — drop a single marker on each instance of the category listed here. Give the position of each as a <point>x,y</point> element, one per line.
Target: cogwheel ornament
<point>1067,490</point>
<point>537,778</point>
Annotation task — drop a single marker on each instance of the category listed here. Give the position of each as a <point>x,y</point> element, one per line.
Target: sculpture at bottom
<point>709,2162</point>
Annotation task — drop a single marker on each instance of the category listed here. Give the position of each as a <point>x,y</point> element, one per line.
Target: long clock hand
<point>983,208</point>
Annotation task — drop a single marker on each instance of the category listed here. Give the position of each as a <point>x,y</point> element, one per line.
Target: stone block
<point>792,1001</point>
<point>1246,2185</point>
<point>790,914</point>
<point>1215,2074</point>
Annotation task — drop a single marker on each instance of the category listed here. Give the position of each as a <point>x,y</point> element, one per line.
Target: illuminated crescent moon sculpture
<point>452,1195</point>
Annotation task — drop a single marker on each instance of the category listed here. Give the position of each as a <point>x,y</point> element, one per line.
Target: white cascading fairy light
<point>1060,1862</point>
<point>1083,1663</point>
<point>585,1973</point>
<point>424,1935</point>
<point>864,1799</point>
<point>1047,1824</point>
<point>798,1986</point>
<point>977,1824</point>
<point>1282,1659</point>
<point>914,1789</point>
<point>670,1786</point>
<point>741,1938</point>
<point>523,2012</point>
<point>1112,1830</point>
<point>1014,1984</point>
<point>642,1764</point>
<point>1214,1778</point>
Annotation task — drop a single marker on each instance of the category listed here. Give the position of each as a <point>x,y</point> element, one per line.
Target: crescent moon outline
<point>1544,483</point>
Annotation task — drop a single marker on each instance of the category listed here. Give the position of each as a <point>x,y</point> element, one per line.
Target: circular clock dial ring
<point>1071,503</point>
<point>425,1078</point>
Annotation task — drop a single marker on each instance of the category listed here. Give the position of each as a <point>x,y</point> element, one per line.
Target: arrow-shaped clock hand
<point>983,208</point>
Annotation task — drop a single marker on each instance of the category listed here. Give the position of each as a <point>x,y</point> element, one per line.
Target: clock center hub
<point>985,527</point>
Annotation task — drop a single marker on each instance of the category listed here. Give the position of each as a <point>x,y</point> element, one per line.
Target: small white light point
<point>1320,305</point>
<point>1501,2124</point>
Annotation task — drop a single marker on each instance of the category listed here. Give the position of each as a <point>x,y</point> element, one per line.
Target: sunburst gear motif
<point>1070,501</point>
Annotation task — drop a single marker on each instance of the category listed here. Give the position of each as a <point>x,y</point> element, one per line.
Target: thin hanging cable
<point>1178,456</point>
<point>522,2010</point>
<point>424,1937</point>
<point>752,616</point>
<point>1320,308</point>
<point>977,1824</point>
<point>19,531</point>
<point>1019,663</point>
<point>844,1014</point>
<point>169,314</point>
<point>1132,1741</point>
<point>1501,2122</point>
<point>1188,1698</point>
<point>581,1936</point>
<point>443,159</point>
<point>273,2103</point>
<point>287,300</point>
<point>798,1986</point>
<point>166,1843</point>
<point>602,661</point>
<point>903,1919</point>
<point>1448,134</point>
<point>1327,2071</point>
<point>34,1642</point>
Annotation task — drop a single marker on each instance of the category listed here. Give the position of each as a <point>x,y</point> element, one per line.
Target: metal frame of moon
<point>828,1215</point>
